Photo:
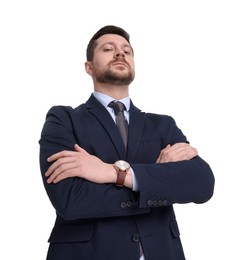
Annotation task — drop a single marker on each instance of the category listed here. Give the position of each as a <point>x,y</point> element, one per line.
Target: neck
<point>114,91</point>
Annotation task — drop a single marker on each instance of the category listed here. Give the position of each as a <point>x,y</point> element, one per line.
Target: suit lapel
<point>102,115</point>
<point>136,118</point>
<point>136,124</point>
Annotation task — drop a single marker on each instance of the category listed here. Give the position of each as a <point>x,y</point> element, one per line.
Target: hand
<point>79,163</point>
<point>176,152</point>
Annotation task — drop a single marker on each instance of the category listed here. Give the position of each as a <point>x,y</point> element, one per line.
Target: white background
<point>190,64</point>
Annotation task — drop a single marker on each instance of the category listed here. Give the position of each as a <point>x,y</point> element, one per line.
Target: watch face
<point>122,165</point>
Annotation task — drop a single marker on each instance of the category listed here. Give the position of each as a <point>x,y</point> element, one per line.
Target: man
<point>114,194</point>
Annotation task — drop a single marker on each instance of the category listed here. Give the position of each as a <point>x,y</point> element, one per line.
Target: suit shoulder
<point>60,110</point>
<point>160,117</point>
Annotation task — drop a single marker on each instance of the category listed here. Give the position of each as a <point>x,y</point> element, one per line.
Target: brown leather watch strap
<point>121,175</point>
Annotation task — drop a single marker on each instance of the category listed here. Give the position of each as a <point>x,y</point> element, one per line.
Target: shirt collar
<point>105,99</point>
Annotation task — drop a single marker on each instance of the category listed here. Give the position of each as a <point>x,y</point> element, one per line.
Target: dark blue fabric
<point>102,221</point>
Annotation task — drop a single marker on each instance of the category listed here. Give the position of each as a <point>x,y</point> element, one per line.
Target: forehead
<point>112,39</point>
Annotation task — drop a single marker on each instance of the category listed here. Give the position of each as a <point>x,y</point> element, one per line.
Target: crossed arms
<point>79,163</point>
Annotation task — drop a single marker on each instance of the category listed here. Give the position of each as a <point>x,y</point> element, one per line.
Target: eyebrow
<point>113,43</point>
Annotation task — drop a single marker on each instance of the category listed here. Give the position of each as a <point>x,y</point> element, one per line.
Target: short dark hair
<point>109,29</point>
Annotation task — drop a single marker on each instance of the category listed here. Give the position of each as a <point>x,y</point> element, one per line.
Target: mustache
<point>120,60</point>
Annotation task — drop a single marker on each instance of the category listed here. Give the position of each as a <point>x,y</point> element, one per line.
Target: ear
<point>89,68</point>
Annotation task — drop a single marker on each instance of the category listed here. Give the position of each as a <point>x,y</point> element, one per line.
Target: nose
<point>119,53</point>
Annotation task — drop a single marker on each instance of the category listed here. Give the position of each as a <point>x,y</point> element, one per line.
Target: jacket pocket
<point>71,232</point>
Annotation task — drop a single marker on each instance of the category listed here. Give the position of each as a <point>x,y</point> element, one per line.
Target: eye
<point>128,51</point>
<point>108,48</point>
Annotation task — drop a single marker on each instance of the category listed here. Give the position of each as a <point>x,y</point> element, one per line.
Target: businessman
<point>112,172</point>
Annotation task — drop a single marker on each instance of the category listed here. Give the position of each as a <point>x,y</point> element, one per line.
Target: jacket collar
<point>135,127</point>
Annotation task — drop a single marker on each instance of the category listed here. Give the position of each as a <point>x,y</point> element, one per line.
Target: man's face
<point>113,60</point>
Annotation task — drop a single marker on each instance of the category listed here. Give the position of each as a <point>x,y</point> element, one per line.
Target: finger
<point>193,152</point>
<point>178,146</point>
<point>186,153</point>
<point>53,167</point>
<point>58,163</point>
<point>64,175</point>
<point>158,159</point>
<point>58,155</point>
<point>179,152</point>
<point>162,158</point>
<point>61,170</point>
<point>59,178</point>
<point>79,149</point>
<point>162,152</point>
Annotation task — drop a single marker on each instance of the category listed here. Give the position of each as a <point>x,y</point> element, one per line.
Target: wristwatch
<point>121,167</point>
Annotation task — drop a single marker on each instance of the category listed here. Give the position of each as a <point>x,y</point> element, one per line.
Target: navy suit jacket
<point>103,221</point>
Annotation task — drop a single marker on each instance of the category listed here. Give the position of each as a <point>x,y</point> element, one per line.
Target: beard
<point>114,77</point>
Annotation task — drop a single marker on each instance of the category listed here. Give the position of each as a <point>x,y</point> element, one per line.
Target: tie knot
<point>117,106</point>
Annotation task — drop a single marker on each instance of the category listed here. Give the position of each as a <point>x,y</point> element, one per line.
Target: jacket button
<point>149,202</point>
<point>136,238</point>
<point>162,202</point>
<point>129,204</point>
<point>155,203</point>
<point>123,205</point>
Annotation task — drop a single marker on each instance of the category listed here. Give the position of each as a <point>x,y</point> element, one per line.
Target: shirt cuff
<point>134,180</point>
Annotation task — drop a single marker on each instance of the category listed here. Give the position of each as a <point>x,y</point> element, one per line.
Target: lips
<point>119,64</point>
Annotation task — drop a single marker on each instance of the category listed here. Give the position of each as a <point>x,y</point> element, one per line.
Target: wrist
<point>122,168</point>
<point>111,176</point>
<point>128,179</point>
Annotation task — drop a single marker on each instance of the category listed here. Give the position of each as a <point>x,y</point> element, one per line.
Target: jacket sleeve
<point>76,198</point>
<point>179,182</point>
<point>163,184</point>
